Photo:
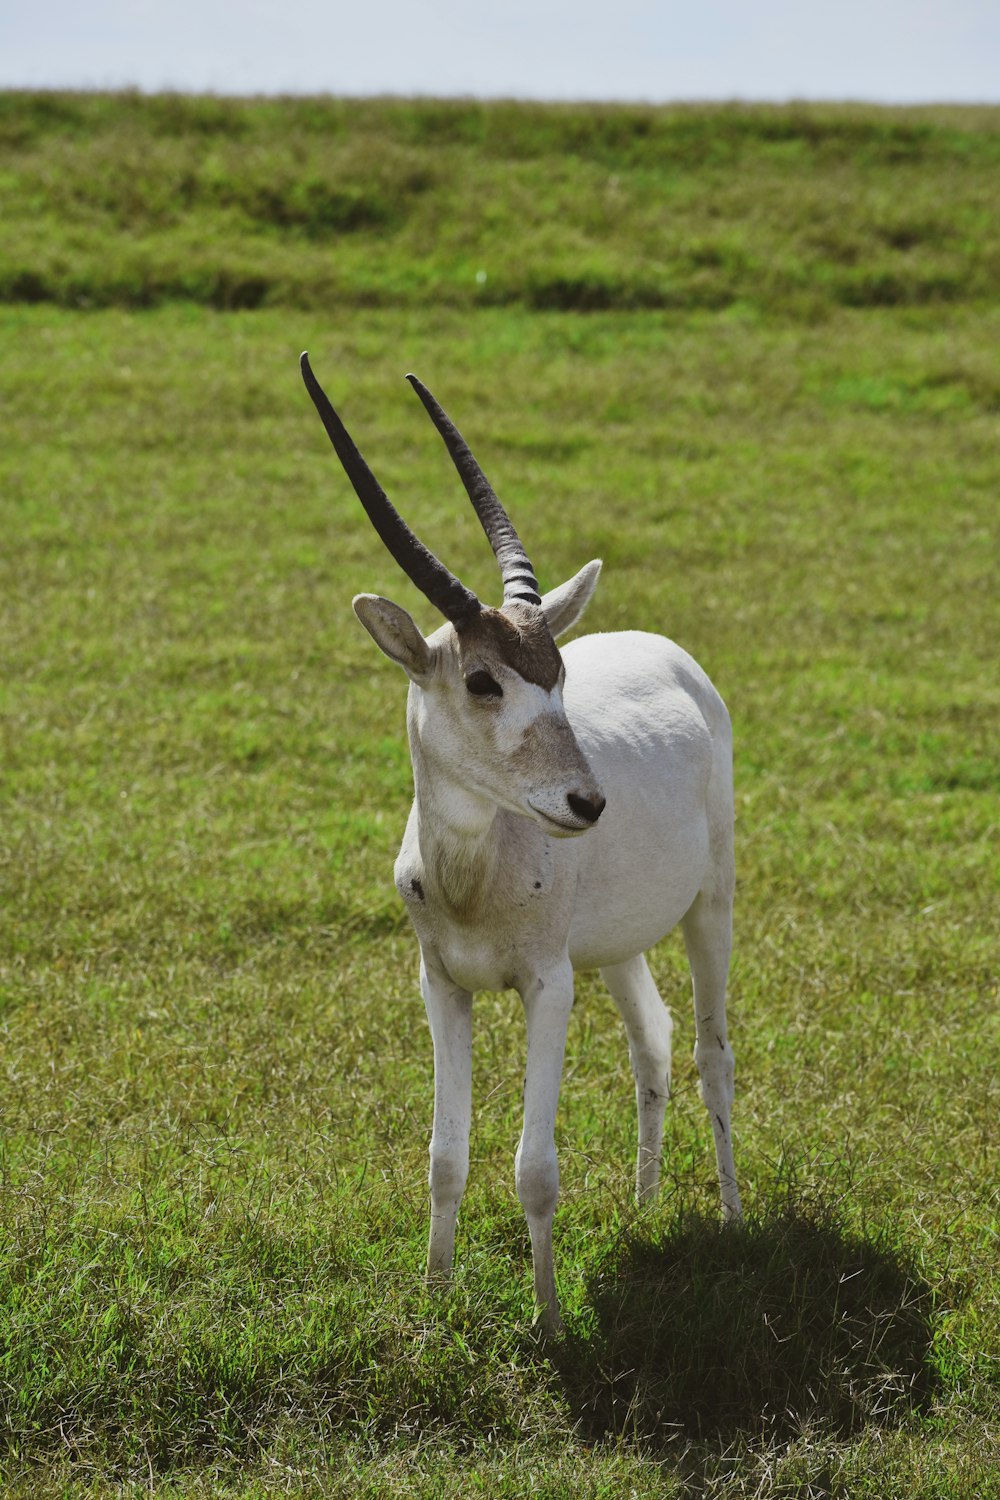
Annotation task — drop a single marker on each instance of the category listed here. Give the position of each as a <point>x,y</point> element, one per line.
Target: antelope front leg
<point>547,1004</point>
<point>449,1011</point>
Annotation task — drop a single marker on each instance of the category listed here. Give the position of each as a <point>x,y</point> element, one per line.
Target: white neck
<point>457,835</point>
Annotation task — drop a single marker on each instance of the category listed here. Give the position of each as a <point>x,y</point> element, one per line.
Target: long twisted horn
<point>446,592</point>
<point>519,581</point>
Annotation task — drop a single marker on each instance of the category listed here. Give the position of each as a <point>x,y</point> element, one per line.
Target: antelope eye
<point>482,685</point>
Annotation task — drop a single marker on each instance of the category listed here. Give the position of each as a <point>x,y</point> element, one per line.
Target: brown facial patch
<point>518,636</point>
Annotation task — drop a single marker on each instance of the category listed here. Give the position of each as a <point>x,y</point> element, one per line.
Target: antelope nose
<point>587,808</point>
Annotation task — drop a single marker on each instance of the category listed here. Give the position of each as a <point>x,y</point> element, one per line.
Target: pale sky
<point>891,51</point>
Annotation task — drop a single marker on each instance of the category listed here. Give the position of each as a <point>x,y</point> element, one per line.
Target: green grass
<point>216,1075</point>
<point>133,201</point>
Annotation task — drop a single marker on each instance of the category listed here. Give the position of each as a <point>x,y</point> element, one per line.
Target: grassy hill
<point>749,357</point>
<point>132,201</point>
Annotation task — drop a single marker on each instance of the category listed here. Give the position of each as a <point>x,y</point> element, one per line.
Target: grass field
<point>749,358</point>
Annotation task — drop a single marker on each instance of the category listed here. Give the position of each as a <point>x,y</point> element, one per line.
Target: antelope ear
<point>563,606</point>
<point>394,632</point>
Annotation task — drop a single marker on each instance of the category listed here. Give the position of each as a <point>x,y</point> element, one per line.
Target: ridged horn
<point>446,592</point>
<point>519,581</point>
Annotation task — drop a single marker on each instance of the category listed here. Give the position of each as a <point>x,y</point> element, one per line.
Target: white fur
<point>503,893</point>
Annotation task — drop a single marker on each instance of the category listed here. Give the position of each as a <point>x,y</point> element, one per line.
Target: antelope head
<point>486,703</point>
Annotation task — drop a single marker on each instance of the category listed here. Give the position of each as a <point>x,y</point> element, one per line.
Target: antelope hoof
<point>548,1322</point>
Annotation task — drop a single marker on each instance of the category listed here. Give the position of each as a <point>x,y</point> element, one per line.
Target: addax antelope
<point>569,809</point>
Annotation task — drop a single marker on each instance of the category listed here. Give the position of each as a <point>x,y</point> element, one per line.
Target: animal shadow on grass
<point>756,1329</point>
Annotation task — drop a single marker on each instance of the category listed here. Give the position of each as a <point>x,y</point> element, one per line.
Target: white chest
<point>491,928</point>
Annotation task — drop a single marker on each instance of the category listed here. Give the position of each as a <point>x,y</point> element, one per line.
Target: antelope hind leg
<point>648,1027</point>
<point>708,937</point>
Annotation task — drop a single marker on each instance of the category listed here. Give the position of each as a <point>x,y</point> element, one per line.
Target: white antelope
<point>569,809</point>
